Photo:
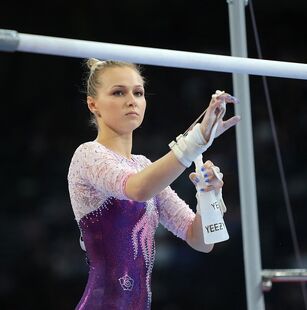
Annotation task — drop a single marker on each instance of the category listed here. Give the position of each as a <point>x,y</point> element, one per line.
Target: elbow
<point>139,197</point>
<point>200,246</point>
<point>138,189</point>
<point>207,248</point>
<point>137,194</point>
<point>195,238</point>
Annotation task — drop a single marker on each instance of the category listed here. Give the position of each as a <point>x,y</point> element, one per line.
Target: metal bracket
<point>9,40</point>
<point>231,1</point>
<point>282,275</point>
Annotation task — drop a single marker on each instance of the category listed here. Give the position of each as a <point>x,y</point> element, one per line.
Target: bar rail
<point>11,41</point>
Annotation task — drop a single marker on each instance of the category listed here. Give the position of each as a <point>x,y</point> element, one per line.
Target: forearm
<point>154,178</point>
<point>195,237</point>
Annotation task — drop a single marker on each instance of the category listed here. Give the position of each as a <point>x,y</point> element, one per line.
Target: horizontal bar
<point>152,56</point>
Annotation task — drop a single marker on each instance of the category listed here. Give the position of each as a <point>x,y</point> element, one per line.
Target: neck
<point>119,143</point>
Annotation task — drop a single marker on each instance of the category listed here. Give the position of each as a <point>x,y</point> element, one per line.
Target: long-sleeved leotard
<point>118,233</point>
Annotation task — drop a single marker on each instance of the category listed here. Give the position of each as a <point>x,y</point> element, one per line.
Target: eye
<point>118,93</point>
<point>139,93</point>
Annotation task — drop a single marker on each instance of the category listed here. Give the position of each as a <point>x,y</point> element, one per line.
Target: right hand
<point>211,181</point>
<point>214,111</point>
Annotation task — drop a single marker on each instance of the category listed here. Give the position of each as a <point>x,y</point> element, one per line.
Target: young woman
<point>119,198</point>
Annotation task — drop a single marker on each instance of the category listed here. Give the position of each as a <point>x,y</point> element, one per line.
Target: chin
<point>136,125</point>
<point>128,129</point>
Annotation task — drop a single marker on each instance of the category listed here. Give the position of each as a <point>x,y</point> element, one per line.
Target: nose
<point>131,100</point>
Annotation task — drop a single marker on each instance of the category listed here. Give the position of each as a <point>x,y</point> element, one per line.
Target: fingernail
<point>196,180</point>
<point>203,169</point>
<point>235,100</point>
<point>202,189</point>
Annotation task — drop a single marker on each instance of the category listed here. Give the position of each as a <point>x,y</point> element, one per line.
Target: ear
<point>91,104</point>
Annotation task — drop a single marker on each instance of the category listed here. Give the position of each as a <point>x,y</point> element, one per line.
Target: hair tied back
<point>93,64</point>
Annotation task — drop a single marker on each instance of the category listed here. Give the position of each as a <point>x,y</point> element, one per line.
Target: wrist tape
<point>188,147</point>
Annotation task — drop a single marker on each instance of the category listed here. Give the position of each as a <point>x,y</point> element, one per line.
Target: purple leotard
<point>118,233</point>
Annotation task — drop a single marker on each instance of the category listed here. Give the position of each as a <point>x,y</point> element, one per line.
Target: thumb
<point>232,122</point>
<point>227,124</point>
<point>194,178</point>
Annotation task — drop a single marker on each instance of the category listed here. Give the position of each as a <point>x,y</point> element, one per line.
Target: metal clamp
<point>9,40</point>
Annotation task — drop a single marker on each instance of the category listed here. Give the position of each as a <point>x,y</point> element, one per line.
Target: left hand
<point>211,181</point>
<point>215,112</point>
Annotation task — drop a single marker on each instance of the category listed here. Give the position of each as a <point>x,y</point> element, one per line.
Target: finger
<point>194,178</point>
<point>217,169</point>
<point>220,184</point>
<point>231,122</point>
<point>208,188</point>
<point>217,179</point>
<point>228,98</point>
<point>208,164</point>
<point>215,102</point>
<point>218,107</point>
<point>206,174</point>
<point>215,109</point>
<point>216,184</point>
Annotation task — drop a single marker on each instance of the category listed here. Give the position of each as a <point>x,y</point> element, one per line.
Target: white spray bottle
<point>212,208</point>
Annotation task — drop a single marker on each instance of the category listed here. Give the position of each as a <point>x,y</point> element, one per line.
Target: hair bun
<point>93,63</point>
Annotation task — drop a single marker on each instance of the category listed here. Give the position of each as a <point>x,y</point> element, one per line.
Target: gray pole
<point>248,197</point>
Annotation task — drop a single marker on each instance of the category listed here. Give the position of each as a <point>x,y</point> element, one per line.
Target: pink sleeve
<point>175,214</point>
<point>103,171</point>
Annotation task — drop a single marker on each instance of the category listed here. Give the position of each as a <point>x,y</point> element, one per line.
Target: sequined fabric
<point>117,278</point>
<point>118,233</point>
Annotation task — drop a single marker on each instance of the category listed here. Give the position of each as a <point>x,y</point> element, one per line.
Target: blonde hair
<point>96,68</point>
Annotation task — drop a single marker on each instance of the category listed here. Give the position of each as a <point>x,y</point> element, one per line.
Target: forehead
<point>120,76</point>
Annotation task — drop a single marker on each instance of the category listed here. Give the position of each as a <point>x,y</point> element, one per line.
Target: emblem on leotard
<point>126,283</point>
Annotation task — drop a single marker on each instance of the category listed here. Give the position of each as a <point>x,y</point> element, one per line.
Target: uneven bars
<point>12,41</point>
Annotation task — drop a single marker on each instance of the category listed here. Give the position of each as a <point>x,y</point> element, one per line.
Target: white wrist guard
<point>188,147</point>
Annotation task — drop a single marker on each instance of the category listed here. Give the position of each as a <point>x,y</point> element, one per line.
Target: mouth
<point>132,113</point>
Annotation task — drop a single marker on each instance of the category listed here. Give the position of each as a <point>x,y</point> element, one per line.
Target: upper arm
<point>102,171</point>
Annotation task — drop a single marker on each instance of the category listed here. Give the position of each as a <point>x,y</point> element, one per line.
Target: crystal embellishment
<point>126,283</point>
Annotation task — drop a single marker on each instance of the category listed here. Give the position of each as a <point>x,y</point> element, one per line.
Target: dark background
<point>44,119</point>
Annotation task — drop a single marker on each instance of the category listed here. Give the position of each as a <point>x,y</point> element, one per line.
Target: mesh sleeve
<point>102,171</point>
<point>175,214</point>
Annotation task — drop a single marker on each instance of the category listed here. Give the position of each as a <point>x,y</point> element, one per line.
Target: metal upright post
<point>244,135</point>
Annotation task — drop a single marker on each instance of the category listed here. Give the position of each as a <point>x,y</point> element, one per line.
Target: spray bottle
<point>212,208</point>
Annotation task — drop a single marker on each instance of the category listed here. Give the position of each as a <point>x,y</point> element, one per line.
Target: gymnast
<point>119,198</point>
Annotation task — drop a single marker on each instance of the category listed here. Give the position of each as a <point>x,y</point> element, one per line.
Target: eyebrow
<point>138,85</point>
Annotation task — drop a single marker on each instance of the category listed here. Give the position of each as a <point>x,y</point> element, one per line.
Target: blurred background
<point>44,119</point>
